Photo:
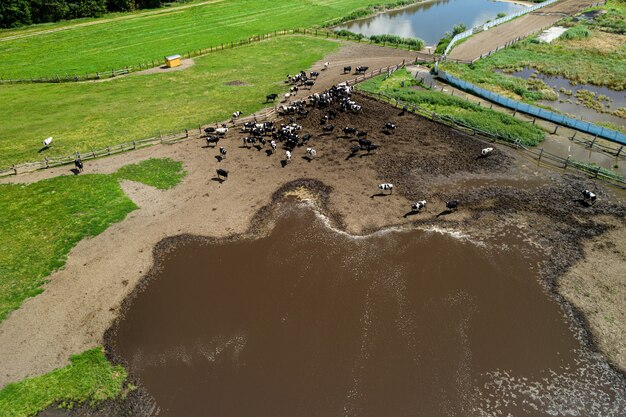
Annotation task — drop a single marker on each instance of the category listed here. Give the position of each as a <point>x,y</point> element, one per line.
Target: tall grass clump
<point>576,32</point>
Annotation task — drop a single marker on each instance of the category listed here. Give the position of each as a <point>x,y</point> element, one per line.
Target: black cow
<point>349,130</point>
<point>328,128</point>
<point>212,140</point>
<point>364,143</point>
<point>78,163</point>
<point>347,69</point>
<point>271,97</point>
<point>209,130</point>
<point>221,173</point>
<point>361,133</point>
<point>452,205</point>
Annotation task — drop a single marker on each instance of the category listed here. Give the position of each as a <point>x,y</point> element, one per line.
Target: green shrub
<point>576,32</point>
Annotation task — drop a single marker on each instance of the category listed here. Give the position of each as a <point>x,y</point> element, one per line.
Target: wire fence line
<point>167,138</point>
<point>192,53</point>
<point>582,126</point>
<point>539,155</point>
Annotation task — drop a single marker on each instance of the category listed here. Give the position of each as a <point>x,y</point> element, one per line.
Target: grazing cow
<point>212,140</point>
<point>271,97</point>
<point>273,145</point>
<point>223,152</point>
<point>311,152</point>
<point>288,156</point>
<point>326,65</point>
<point>418,206</point>
<point>452,205</point>
<point>315,74</point>
<point>361,133</point>
<point>221,131</point>
<point>309,83</point>
<point>47,142</point>
<point>248,141</point>
<point>347,69</point>
<point>386,187</point>
<point>390,126</point>
<point>78,163</point>
<point>221,173</point>
<point>589,197</point>
<point>364,143</point>
<point>349,131</point>
<point>237,114</point>
<point>328,128</point>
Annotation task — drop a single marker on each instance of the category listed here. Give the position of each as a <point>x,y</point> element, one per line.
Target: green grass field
<point>43,221</point>
<point>89,377</point>
<point>461,110</point>
<point>140,37</point>
<point>81,116</point>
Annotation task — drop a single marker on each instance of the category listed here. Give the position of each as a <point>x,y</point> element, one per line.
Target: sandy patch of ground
<point>423,159</point>
<point>597,286</point>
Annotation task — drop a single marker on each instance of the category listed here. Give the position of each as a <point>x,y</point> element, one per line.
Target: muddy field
<point>500,195</point>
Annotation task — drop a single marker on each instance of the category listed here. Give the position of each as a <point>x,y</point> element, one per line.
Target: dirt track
<point>424,160</point>
<point>531,23</point>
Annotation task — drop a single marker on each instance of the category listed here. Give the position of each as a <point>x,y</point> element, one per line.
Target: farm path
<point>523,26</point>
<point>113,19</point>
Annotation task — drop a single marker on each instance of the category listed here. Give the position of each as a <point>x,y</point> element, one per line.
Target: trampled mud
<point>305,321</point>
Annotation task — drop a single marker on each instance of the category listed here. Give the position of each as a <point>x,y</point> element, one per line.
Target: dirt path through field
<point>526,25</point>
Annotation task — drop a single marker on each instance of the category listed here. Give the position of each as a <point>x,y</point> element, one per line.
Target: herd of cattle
<point>336,99</point>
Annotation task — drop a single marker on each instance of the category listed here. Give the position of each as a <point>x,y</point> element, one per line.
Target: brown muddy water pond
<point>310,321</point>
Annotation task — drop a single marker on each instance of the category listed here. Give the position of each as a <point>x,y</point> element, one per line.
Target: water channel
<point>431,20</point>
<point>309,321</point>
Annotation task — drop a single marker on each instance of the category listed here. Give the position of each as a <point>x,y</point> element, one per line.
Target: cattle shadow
<point>258,147</point>
<point>269,152</point>
<point>244,147</point>
<point>45,148</point>
<point>445,212</point>
<point>583,202</point>
<point>366,154</point>
<point>379,195</point>
<point>218,179</point>
<point>209,146</point>
<point>75,171</point>
<point>283,163</point>
<point>352,155</point>
<point>410,213</point>
<point>219,158</point>
<point>307,158</point>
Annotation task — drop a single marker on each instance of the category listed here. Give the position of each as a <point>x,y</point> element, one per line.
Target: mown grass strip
<point>93,115</point>
<point>464,112</point>
<point>143,37</point>
<point>43,221</point>
<point>88,378</point>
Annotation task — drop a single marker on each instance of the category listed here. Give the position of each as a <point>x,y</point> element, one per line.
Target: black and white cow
<point>223,152</point>
<point>418,206</point>
<point>349,131</point>
<point>589,197</point>
<point>78,163</point>
<point>237,114</point>
<point>386,187</point>
<point>390,126</point>
<point>311,152</point>
<point>486,152</point>
<point>212,140</point>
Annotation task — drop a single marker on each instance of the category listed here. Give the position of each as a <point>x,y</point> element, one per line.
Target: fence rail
<point>539,155</point>
<point>561,119</point>
<point>192,53</point>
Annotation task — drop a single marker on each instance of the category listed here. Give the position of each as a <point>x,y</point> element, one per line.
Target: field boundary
<point>540,156</point>
<point>586,127</point>
<point>154,63</point>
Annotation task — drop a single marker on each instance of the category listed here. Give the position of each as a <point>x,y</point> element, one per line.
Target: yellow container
<point>172,61</point>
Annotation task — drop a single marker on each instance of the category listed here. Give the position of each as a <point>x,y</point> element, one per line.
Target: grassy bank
<point>88,378</point>
<point>454,107</point>
<point>81,116</point>
<point>587,53</point>
<point>140,37</point>
<point>43,221</point>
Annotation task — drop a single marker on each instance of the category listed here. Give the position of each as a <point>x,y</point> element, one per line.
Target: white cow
<point>288,156</point>
<point>47,142</point>
<point>486,151</point>
<point>312,152</point>
<point>221,131</point>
